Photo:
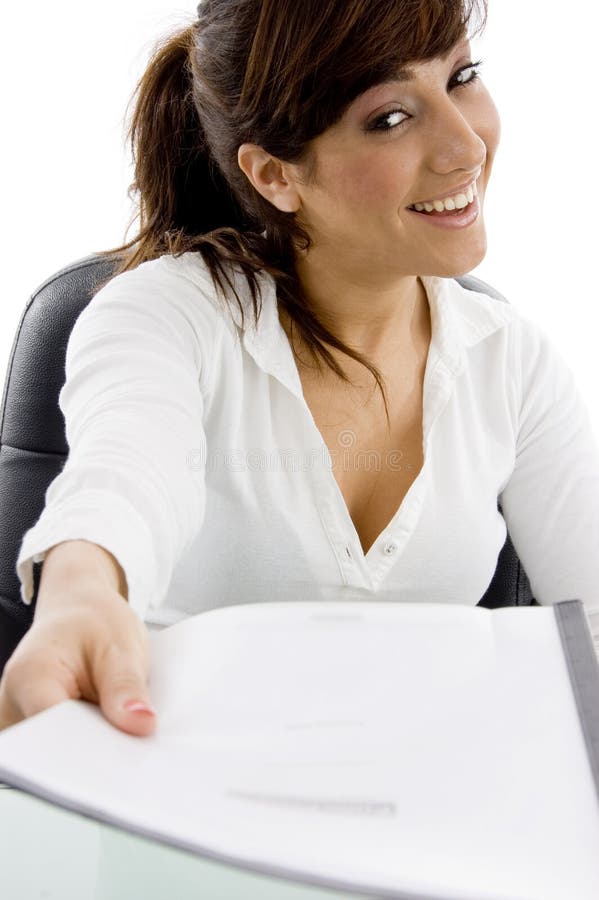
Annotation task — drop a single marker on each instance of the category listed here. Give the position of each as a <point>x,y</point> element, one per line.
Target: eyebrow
<point>402,75</point>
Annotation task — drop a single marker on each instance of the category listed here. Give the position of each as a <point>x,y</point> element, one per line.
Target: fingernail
<point>137,706</point>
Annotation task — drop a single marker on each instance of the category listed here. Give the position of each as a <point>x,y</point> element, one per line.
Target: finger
<point>25,692</point>
<point>121,681</point>
<point>9,714</point>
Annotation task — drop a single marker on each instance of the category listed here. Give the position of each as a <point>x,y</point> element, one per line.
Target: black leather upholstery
<point>33,447</point>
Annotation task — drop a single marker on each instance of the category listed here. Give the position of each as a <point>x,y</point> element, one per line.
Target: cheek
<point>489,127</point>
<point>373,180</point>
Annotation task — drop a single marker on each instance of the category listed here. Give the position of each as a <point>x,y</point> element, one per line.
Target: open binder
<point>414,751</point>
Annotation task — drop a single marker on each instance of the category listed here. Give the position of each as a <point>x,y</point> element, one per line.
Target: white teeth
<point>450,203</point>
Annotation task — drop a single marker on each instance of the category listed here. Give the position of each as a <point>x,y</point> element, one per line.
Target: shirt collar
<point>460,319</point>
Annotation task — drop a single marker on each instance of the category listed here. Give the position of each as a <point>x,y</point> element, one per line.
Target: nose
<point>453,140</point>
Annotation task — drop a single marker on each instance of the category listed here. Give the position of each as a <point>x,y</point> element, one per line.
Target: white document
<point>418,751</point>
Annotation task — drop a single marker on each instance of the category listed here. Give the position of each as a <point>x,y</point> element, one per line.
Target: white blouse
<point>194,458</point>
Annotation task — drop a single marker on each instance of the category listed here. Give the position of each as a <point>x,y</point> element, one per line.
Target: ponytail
<point>181,192</point>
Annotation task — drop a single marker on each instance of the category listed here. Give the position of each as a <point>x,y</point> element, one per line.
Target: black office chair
<point>33,447</point>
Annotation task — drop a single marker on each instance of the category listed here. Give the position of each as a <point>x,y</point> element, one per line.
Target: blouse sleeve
<point>551,501</point>
<point>137,372</point>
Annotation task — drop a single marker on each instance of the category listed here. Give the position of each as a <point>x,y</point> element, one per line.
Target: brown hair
<point>276,73</point>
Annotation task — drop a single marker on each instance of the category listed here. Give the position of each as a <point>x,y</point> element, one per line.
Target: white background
<point>69,68</point>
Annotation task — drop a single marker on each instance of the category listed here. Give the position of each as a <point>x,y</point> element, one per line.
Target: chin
<point>456,271</point>
<point>462,263</point>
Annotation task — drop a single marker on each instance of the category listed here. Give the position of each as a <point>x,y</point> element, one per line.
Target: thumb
<point>121,683</point>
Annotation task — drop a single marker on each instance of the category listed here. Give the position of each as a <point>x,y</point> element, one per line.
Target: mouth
<point>451,205</point>
<point>456,218</point>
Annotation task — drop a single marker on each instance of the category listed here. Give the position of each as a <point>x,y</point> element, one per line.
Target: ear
<point>271,178</point>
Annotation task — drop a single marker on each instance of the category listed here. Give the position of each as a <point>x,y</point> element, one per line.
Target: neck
<point>371,316</point>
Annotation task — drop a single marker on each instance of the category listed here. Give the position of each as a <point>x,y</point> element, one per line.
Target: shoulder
<point>164,307</point>
<point>186,283</point>
<point>498,333</point>
<point>175,293</point>
<point>534,356</point>
<point>483,310</point>
<point>175,281</point>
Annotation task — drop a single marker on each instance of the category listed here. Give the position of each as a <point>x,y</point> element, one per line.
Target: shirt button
<point>390,548</point>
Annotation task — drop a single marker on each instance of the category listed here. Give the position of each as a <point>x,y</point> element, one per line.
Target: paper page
<point>423,750</point>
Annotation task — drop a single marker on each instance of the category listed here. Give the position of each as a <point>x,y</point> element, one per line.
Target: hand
<point>86,644</point>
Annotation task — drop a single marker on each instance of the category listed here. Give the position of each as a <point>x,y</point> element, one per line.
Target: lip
<point>460,189</point>
<point>467,217</point>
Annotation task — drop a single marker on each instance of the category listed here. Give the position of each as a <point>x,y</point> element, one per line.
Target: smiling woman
<point>301,87</point>
<point>283,393</point>
<point>356,205</point>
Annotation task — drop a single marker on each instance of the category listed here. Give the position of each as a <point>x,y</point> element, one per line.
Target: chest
<point>374,461</point>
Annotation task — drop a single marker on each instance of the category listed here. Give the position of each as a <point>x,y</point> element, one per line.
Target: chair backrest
<point>33,446</point>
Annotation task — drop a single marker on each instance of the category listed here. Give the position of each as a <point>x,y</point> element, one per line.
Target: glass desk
<point>48,853</point>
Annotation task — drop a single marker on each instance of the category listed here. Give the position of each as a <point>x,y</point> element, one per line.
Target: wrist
<point>79,564</point>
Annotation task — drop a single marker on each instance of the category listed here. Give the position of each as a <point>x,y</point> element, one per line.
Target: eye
<point>392,119</point>
<point>471,67</point>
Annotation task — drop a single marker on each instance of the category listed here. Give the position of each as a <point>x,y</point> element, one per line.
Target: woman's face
<point>398,144</point>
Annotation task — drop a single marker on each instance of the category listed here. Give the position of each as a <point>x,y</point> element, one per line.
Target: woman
<point>284,393</point>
